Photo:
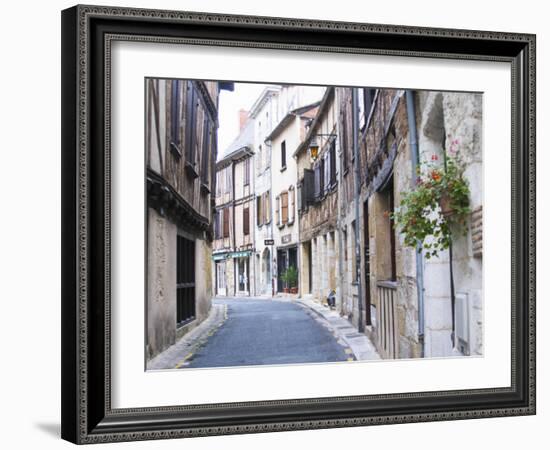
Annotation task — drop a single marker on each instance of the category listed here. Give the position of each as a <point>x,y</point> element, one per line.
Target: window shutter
<point>301,191</point>
<point>284,207</point>
<point>292,205</point>
<point>322,177</point>
<point>267,206</point>
<point>205,151</point>
<point>246,221</point>
<point>190,123</point>
<point>277,213</point>
<point>174,114</point>
<point>344,128</point>
<point>308,188</point>
<point>333,163</point>
<point>317,182</point>
<point>226,222</point>
<point>259,213</point>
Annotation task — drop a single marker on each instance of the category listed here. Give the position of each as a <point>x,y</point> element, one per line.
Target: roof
<point>289,117</point>
<point>323,108</point>
<point>263,98</point>
<point>241,146</point>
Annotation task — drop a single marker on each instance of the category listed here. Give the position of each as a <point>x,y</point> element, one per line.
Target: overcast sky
<point>243,97</point>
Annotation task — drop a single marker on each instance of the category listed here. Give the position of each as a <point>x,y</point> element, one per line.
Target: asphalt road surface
<point>266,331</point>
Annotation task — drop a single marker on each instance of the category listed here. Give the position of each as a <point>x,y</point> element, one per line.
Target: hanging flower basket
<point>445,205</point>
<point>436,208</point>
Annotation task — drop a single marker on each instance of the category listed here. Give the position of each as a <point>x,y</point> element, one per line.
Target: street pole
<point>357,174</point>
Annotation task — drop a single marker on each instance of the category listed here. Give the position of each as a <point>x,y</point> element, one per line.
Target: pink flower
<point>434,158</point>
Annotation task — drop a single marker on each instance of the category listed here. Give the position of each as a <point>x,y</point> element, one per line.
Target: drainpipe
<point>355,113</point>
<point>339,226</point>
<point>271,254</point>
<point>413,141</point>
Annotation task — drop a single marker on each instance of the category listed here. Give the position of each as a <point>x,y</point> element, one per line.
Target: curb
<point>361,346</point>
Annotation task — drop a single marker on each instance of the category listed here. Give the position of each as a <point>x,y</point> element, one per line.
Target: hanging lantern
<point>313,148</point>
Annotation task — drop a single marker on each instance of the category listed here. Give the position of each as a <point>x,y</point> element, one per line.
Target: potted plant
<point>284,279</point>
<point>438,205</point>
<point>292,279</point>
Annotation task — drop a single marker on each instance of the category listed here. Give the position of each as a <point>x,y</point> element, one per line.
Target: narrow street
<point>267,331</point>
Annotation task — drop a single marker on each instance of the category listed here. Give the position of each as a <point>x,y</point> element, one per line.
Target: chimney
<point>243,117</point>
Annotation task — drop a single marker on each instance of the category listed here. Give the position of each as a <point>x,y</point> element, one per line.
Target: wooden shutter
<point>322,179</point>
<point>344,131</point>
<point>332,156</point>
<point>226,222</point>
<point>308,188</point>
<point>246,221</point>
<point>317,181</point>
<point>174,115</point>
<point>292,207</point>
<point>284,207</point>
<point>267,207</point>
<point>259,217</point>
<point>190,115</point>
<point>205,154</point>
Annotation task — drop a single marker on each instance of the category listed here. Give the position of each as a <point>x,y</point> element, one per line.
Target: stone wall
<point>161,283</point>
<point>451,122</point>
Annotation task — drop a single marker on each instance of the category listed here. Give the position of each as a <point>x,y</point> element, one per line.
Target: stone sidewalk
<point>176,355</point>
<point>347,335</point>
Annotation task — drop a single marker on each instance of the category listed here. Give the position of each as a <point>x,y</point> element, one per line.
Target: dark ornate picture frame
<point>87,34</point>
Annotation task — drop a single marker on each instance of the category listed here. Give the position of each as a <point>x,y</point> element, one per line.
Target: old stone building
<point>233,245</point>
<point>180,150</point>
<point>286,137</point>
<point>273,104</point>
<point>317,166</point>
<point>410,306</point>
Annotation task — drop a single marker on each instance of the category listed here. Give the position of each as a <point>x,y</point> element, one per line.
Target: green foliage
<point>290,276</point>
<point>420,216</point>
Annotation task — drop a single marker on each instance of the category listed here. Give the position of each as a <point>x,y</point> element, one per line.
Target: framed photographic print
<point>280,224</point>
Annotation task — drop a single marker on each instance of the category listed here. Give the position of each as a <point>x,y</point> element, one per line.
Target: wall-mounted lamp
<point>314,145</point>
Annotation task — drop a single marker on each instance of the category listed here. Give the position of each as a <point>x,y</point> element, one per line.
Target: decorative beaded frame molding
<point>87,35</point>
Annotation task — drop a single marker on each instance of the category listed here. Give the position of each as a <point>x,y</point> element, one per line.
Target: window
<point>361,107</point>
<point>283,155</point>
<point>246,172</point>
<point>326,172</point>
<point>385,233</point>
<point>217,226</point>
<point>308,188</point>
<point>175,117</point>
<point>219,179</point>
<point>284,207</point>
<point>259,216</point>
<point>185,280</point>
<point>277,212</point>
<point>228,181</point>
<point>368,99</point>
<point>246,221</point>
<point>226,222</point>
<point>319,179</point>
<point>258,157</point>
